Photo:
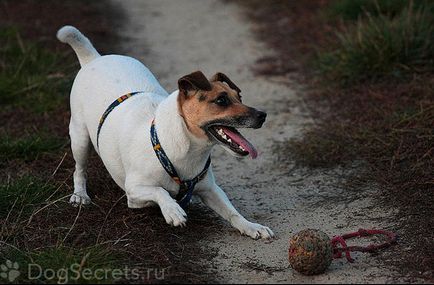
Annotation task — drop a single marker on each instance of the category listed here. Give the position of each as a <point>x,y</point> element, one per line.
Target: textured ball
<point>310,252</point>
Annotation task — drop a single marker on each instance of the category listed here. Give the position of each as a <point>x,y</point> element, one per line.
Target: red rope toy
<point>337,251</point>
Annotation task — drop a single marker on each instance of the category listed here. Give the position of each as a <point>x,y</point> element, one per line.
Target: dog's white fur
<point>124,143</point>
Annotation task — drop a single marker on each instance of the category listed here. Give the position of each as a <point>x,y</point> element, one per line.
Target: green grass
<point>28,147</point>
<point>352,10</point>
<point>69,265</point>
<point>20,197</point>
<point>381,47</point>
<point>31,77</point>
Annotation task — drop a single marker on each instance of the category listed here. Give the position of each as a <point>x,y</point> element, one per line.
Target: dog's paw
<point>174,214</point>
<point>255,231</point>
<point>79,198</point>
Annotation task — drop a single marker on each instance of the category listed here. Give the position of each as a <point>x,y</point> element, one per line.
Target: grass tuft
<point>381,47</point>
<point>20,197</point>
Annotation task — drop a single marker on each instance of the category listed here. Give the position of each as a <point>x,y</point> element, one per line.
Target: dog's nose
<point>261,116</point>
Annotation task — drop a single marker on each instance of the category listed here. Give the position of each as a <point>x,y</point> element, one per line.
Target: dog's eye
<point>222,100</point>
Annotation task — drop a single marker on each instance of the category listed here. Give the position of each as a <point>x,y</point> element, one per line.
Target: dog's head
<point>212,109</point>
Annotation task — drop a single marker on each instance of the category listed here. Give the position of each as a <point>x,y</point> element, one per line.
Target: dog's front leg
<point>215,198</point>
<point>142,196</point>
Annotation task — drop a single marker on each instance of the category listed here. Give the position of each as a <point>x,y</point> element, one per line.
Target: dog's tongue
<point>240,140</point>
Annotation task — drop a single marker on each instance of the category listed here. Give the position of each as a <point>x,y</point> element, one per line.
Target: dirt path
<point>174,38</point>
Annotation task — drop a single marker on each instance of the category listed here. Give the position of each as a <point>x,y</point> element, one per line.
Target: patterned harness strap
<point>110,108</point>
<point>186,187</point>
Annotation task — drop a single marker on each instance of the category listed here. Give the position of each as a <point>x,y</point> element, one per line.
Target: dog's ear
<point>194,81</point>
<point>223,78</point>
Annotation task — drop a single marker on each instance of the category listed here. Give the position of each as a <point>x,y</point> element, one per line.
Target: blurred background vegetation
<point>390,39</point>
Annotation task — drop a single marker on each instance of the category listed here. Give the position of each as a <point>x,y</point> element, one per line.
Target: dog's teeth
<point>223,135</point>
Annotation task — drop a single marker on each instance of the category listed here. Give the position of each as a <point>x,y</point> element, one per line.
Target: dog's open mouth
<point>232,139</point>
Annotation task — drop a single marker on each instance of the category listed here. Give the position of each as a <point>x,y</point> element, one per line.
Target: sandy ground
<point>174,38</point>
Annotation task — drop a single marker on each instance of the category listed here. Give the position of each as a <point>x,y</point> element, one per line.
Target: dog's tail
<point>79,43</point>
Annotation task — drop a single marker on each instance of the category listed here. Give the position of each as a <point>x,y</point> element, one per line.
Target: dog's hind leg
<point>80,143</point>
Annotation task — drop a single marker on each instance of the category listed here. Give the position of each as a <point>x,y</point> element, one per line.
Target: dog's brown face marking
<point>201,101</point>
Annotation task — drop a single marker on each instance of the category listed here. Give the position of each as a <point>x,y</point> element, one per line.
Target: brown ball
<point>310,252</point>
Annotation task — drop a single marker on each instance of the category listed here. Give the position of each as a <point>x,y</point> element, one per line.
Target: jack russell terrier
<point>156,146</point>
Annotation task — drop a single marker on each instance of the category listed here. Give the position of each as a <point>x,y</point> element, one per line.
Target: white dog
<point>156,146</point>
